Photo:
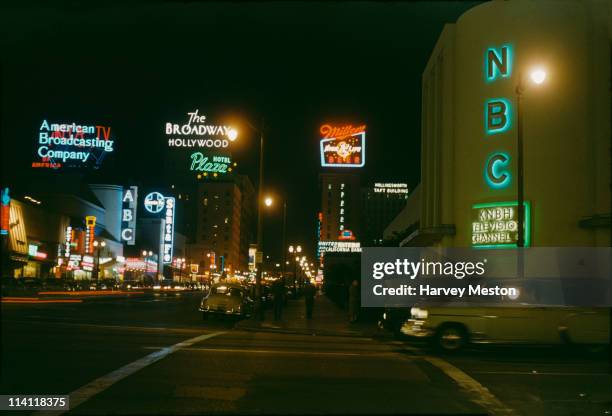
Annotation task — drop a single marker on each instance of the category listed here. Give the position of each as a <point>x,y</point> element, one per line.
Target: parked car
<point>228,300</point>
<point>451,328</point>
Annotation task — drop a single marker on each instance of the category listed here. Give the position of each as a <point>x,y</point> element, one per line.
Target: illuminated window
<point>205,202</point>
<point>342,186</point>
<point>329,186</point>
<point>341,211</point>
<point>226,220</point>
<point>342,203</point>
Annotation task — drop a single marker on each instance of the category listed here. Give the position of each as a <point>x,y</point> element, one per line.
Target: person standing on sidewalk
<point>354,301</point>
<point>309,294</point>
<point>279,294</point>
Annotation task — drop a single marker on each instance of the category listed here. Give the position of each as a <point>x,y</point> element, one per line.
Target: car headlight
<point>418,313</point>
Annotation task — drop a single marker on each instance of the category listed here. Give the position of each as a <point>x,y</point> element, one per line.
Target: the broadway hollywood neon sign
<point>197,132</point>
<point>342,146</point>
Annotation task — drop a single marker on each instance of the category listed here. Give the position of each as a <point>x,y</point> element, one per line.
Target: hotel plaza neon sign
<point>210,164</point>
<point>343,146</point>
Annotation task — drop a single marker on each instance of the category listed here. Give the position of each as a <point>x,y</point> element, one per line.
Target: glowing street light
<point>98,246</point>
<point>232,134</point>
<point>538,76</point>
<point>268,201</point>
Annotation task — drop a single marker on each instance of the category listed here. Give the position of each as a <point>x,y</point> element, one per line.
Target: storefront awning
<point>427,236</point>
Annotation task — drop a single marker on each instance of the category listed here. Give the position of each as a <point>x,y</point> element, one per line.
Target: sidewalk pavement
<point>327,319</point>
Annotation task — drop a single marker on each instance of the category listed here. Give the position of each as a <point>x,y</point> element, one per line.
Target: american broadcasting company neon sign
<point>72,145</point>
<point>343,146</point>
<point>197,133</point>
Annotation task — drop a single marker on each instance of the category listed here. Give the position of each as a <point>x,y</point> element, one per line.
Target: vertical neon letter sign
<point>498,62</point>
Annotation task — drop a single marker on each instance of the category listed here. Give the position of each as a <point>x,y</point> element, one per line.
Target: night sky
<point>135,66</point>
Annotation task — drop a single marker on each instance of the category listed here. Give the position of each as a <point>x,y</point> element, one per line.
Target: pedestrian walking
<point>279,295</point>
<point>354,301</point>
<point>309,294</point>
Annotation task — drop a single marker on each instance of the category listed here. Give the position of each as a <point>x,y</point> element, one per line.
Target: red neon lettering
<point>329,131</point>
<point>105,131</point>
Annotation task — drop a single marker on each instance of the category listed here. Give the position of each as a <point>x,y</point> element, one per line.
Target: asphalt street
<point>156,356</point>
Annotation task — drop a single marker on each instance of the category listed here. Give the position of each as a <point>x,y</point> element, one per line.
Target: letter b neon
<point>497,116</point>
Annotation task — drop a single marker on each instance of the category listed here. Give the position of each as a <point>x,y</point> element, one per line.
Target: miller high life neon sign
<point>343,146</point>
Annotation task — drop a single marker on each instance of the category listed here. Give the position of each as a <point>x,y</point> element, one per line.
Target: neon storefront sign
<point>339,247</point>
<point>90,232</point>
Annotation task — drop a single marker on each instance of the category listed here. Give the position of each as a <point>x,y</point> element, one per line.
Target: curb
<point>304,331</point>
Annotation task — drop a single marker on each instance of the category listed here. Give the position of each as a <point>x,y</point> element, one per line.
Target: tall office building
<point>380,204</point>
<point>225,220</point>
<point>340,206</point>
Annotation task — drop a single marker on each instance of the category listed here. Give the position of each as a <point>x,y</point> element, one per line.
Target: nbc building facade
<point>559,53</point>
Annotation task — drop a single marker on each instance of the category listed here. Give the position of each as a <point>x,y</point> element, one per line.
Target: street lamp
<point>180,262</point>
<point>268,201</point>
<point>233,135</point>
<point>292,250</point>
<point>537,76</point>
<point>145,255</point>
<point>98,246</point>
